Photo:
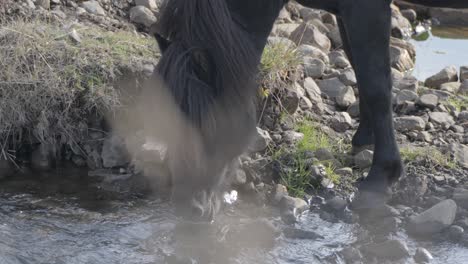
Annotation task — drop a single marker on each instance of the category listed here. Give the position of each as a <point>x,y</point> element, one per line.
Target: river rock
<point>441,118</point>
<point>142,15</point>
<point>422,256</point>
<point>409,123</point>
<point>390,249</point>
<point>93,7</point>
<point>335,204</point>
<point>261,141</point>
<point>428,101</point>
<point>448,74</point>
<point>463,73</point>
<point>341,122</point>
<point>307,33</point>
<point>313,67</point>
<point>450,87</point>
<point>346,97</point>
<point>332,87</point>
<point>43,3</point>
<point>150,4</point>
<point>455,232</point>
<point>434,219</point>
<point>364,159</point>
<point>314,52</point>
<point>291,208</point>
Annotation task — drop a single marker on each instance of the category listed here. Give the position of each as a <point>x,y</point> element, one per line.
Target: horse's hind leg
<point>368,25</point>
<point>364,136</point>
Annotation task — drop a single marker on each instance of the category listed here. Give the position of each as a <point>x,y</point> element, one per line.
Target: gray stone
<point>312,90</point>
<point>331,87</point>
<point>434,219</point>
<point>409,14</point>
<point>291,99</point>
<point>390,249</point>
<point>284,30</point>
<point>336,204</point>
<point>363,159</point>
<point>311,51</point>
<point>93,7</point>
<point>324,154</point>
<point>441,118</point>
<point>463,73</point>
<point>406,95</point>
<point>351,255</point>
<point>335,37</point>
<point>464,87</point>
<point>341,122</point>
<point>310,34</point>
<point>338,59</point>
<point>448,74</point>
<point>345,172</point>
<point>407,83</point>
<point>142,15</point>
<point>292,137</point>
<point>261,141</point>
<point>346,97</point>
<point>429,101</point>
<point>456,232</point>
<point>400,59</point>
<point>309,14</point>
<point>43,3</point>
<point>280,191</point>
<point>75,36</point>
<point>305,103</point>
<point>150,4</point>
<point>285,42</point>
<point>114,153</point>
<point>348,77</point>
<point>313,67</point>
<point>451,87</point>
<point>424,136</point>
<point>291,208</point>
<point>409,123</point>
<point>422,256</point>
<point>353,109</point>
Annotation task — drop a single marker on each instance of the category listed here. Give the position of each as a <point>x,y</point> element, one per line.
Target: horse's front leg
<point>367,23</point>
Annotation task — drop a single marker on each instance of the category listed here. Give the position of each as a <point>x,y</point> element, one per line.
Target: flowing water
<point>54,220</point>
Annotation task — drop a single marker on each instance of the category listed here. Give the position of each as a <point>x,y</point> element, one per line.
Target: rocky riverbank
<point>308,110</point>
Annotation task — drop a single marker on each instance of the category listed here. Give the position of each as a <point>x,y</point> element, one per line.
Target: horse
<point>211,50</point>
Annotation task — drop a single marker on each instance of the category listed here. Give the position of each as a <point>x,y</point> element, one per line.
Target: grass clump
<point>278,60</point>
<point>50,84</point>
<point>313,139</point>
<point>431,156</point>
<point>460,102</point>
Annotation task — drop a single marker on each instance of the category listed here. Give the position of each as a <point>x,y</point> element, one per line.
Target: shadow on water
<point>441,47</point>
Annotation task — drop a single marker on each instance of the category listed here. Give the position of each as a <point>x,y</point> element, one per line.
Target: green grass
<point>430,155</point>
<point>314,139</point>
<point>278,61</point>
<point>459,102</point>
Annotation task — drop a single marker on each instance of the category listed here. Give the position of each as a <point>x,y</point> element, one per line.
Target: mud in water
<point>52,219</point>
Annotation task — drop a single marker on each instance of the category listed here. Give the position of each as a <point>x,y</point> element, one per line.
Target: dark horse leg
<point>368,24</point>
<point>364,135</point>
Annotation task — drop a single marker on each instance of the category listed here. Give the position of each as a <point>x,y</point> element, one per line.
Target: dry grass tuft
<point>50,84</point>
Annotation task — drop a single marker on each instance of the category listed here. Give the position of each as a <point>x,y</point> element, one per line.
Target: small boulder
<point>390,249</point>
<point>448,74</point>
<point>409,123</point>
<point>142,15</point>
<point>364,159</point>
<point>434,219</point>
<point>428,101</point>
<point>422,256</point>
<point>93,7</point>
<point>341,122</point>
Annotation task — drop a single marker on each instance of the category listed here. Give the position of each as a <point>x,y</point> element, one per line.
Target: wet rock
<point>460,195</point>
<point>463,73</point>
<point>291,208</point>
<point>351,255</point>
<point>310,34</point>
<point>433,220</point>
<point>150,4</point>
<point>390,249</point>
<point>312,90</point>
<point>364,159</point>
<point>422,256</point>
<point>346,97</point>
<point>341,122</point>
<point>409,123</point>
<point>428,101</point>
<point>409,14</point>
<point>280,191</point>
<point>332,87</point>
<point>455,232</point>
<point>114,153</point>
<point>295,233</point>
<point>448,74</point>
<point>93,7</point>
<point>142,15</point>
<point>460,152</point>
<point>314,52</point>
<point>335,204</point>
<point>313,67</point>
<point>261,141</point>
<point>441,118</point>
<point>450,87</point>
